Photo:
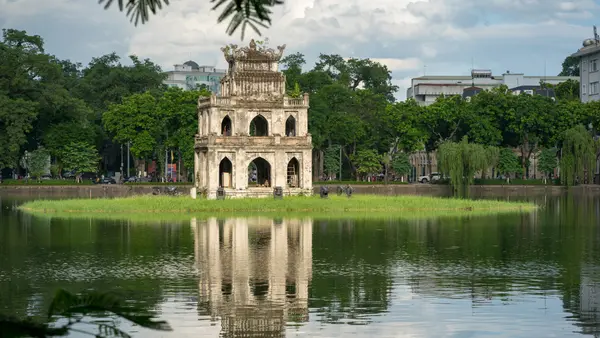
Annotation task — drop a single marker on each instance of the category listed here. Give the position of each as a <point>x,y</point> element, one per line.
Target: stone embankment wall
<point>109,191</point>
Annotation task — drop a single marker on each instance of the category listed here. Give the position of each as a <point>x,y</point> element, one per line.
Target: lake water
<point>524,275</point>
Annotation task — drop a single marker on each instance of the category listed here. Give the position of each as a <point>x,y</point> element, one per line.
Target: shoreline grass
<point>370,206</point>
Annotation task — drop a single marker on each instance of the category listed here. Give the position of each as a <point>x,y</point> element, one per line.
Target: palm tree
<point>243,13</point>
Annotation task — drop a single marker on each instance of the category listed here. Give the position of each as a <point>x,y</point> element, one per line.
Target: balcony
<point>216,101</point>
<point>254,141</point>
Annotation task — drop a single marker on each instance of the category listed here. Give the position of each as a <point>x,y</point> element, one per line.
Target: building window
<point>584,65</point>
<point>594,88</point>
<point>583,89</point>
<point>529,91</point>
<point>593,65</point>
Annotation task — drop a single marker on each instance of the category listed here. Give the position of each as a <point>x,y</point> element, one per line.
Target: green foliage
<point>367,162</point>
<point>37,162</point>
<point>79,157</point>
<point>547,162</point>
<point>578,159</point>
<point>401,164</point>
<point>570,66</point>
<point>508,163</point>
<point>136,120</point>
<point>76,309</point>
<point>243,13</point>
<point>460,161</point>
<point>296,92</point>
<point>492,156</point>
<point>331,160</point>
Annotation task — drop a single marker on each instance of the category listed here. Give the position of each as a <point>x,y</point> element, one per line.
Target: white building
<point>190,75</point>
<point>426,89</point>
<point>589,69</point>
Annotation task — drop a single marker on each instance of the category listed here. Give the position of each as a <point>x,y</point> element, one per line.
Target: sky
<point>412,37</point>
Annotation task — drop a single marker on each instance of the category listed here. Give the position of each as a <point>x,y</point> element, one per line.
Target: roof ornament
<point>253,53</point>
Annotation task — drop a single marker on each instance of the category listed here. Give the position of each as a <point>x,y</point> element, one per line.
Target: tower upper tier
<point>253,72</point>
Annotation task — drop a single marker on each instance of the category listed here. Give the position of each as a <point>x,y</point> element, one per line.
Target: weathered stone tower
<point>253,137</point>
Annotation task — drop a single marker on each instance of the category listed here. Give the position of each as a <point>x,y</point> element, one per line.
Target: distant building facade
<point>426,89</point>
<point>589,66</point>
<point>190,75</point>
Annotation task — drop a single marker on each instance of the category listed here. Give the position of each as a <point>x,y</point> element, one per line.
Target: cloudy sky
<point>413,37</point>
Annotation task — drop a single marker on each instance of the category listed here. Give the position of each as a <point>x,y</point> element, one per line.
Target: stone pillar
<point>240,169</point>
<point>200,123</point>
<point>302,123</point>
<point>212,177</point>
<point>279,169</point>
<point>306,170</point>
<point>196,168</point>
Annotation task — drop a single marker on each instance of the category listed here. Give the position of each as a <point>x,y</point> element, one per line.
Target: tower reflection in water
<point>254,273</point>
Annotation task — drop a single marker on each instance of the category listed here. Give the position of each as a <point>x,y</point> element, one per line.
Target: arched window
<point>259,173</point>
<point>225,173</point>
<point>293,173</point>
<point>290,126</point>
<point>226,126</point>
<point>259,126</point>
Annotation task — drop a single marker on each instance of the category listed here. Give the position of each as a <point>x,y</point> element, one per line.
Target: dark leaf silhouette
<point>243,13</point>
<point>75,307</point>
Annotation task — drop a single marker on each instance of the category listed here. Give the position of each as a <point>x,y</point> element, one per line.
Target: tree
<point>243,13</point>
<point>401,164</point>
<point>25,73</point>
<point>528,124</point>
<point>292,65</point>
<point>136,121</point>
<point>367,162</point>
<point>79,157</point>
<point>578,159</point>
<point>547,162</point>
<point>332,164</point>
<point>445,120</point>
<point>36,162</point>
<point>508,163</point>
<point>460,161</point>
<point>570,66</point>
<point>176,115</point>
<point>492,156</point>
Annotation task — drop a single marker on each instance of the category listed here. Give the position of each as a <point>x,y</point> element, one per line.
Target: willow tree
<point>461,161</point>
<point>578,159</point>
<point>492,156</point>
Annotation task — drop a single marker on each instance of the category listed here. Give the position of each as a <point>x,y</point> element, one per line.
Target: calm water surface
<point>534,275</point>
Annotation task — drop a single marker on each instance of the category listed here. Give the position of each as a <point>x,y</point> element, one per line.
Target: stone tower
<point>253,137</point>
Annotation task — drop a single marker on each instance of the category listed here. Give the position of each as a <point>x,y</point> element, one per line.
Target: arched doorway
<point>259,173</point>
<point>293,173</point>
<point>226,126</point>
<point>259,126</point>
<point>290,126</point>
<point>225,173</point>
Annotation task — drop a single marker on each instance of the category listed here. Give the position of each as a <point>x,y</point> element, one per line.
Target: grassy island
<point>372,206</point>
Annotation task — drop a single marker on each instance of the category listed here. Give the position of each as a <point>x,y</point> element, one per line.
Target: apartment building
<point>426,89</point>
<point>189,75</point>
<point>589,75</point>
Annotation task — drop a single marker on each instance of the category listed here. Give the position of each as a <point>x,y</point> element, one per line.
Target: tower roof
<point>252,53</point>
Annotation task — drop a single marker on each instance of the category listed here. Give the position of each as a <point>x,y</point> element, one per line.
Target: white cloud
<point>444,35</point>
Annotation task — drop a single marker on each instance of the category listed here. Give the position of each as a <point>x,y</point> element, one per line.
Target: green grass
<point>179,208</point>
<point>43,182</point>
